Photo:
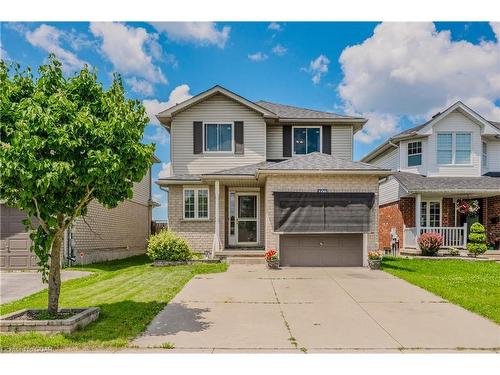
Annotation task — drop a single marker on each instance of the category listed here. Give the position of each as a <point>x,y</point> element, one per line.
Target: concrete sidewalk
<point>252,309</point>
<point>17,285</point>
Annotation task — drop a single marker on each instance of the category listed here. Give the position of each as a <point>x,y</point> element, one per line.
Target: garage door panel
<point>18,261</point>
<point>321,250</point>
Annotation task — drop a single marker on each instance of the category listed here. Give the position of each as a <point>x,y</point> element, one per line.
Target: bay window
<point>196,203</point>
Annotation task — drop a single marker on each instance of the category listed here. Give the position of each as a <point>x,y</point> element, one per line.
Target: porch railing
<point>452,236</point>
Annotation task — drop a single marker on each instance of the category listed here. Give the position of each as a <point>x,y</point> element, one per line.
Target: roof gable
<point>166,115</point>
<point>464,110</point>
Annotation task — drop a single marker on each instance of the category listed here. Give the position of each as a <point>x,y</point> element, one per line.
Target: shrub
<point>477,239</point>
<point>166,245</point>
<point>430,243</point>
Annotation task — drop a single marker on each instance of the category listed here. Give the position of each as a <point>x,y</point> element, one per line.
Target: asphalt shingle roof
<point>418,183</point>
<point>287,111</point>
<point>317,161</point>
<point>186,177</point>
<point>243,170</point>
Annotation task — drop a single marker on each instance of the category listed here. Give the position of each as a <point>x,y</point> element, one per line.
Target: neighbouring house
<point>454,156</point>
<point>103,234</point>
<point>252,176</point>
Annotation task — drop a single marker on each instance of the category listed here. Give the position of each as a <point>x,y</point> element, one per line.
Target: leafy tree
<point>477,239</point>
<point>65,142</point>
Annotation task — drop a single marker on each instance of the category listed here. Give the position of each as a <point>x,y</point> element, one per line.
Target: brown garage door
<point>14,241</point>
<point>321,250</point>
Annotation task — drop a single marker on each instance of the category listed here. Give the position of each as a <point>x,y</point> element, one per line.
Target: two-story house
<point>248,176</point>
<point>452,157</point>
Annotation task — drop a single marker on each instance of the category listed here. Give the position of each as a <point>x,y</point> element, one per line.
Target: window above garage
<point>307,212</point>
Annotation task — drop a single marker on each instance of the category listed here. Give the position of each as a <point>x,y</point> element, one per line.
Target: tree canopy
<point>64,142</point>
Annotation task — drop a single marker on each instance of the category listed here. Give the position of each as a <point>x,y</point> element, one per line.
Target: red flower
<point>271,255</point>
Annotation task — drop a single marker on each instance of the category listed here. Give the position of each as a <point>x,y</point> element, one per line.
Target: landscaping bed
<point>128,292</point>
<point>472,285</point>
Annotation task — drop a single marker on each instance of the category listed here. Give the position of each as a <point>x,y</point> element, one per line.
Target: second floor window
<point>454,148</point>
<point>414,154</point>
<point>485,155</point>
<point>306,140</point>
<point>218,138</point>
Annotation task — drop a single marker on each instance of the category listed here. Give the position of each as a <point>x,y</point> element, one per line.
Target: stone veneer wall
<point>305,183</point>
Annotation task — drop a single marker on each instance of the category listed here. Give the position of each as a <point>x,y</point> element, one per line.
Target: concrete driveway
<point>251,309</point>
<point>16,285</point>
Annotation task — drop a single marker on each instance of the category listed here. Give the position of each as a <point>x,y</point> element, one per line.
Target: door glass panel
<point>247,206</point>
<point>232,213</point>
<point>313,140</point>
<point>247,231</point>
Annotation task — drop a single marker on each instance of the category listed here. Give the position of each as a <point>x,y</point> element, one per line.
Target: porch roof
<point>415,183</point>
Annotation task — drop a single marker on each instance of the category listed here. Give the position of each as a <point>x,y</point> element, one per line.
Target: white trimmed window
<point>196,203</point>
<point>454,148</point>
<point>414,154</point>
<point>430,214</point>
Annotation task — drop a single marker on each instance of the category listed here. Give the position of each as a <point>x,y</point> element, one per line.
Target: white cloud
<point>140,86</point>
<point>154,106</point>
<point>166,170</point>
<point>160,136</point>
<point>412,69</point>
<point>157,197</point>
<point>202,33</point>
<point>257,56</point>
<point>274,26</point>
<point>279,50</point>
<point>318,68</point>
<point>50,39</point>
<point>130,49</point>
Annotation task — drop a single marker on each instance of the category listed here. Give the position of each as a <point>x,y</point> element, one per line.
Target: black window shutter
<point>239,145</point>
<point>287,141</point>
<point>327,139</point>
<point>197,137</point>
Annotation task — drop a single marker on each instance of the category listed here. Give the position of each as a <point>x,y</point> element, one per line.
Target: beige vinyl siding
<point>274,141</point>
<point>389,191</point>
<point>341,141</point>
<point>388,160</point>
<point>142,189</point>
<point>218,108</point>
<point>493,157</point>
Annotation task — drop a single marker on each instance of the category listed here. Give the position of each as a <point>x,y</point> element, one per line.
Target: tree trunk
<point>55,274</point>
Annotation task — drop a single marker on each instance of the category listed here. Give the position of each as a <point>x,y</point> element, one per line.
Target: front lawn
<point>130,292</point>
<point>472,285</point>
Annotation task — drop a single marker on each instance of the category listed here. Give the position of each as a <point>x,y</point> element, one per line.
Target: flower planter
<point>273,264</point>
<point>374,264</point>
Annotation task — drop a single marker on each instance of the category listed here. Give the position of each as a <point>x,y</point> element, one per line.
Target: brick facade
<point>395,215</point>
<point>492,211</point>
<point>116,233</point>
<point>304,183</point>
<point>447,212</point>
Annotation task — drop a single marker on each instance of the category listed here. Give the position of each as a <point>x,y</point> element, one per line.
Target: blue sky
<point>395,74</point>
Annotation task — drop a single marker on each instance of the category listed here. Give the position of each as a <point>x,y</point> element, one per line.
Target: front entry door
<point>247,218</point>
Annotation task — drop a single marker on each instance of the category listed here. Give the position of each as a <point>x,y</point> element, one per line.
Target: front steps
<point>242,255</point>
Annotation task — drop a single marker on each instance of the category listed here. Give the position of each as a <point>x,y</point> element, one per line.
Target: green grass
<point>474,285</point>
<point>130,292</point>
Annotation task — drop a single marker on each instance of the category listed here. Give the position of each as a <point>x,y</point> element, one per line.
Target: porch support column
<point>216,245</point>
<point>418,204</point>
<point>365,249</point>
